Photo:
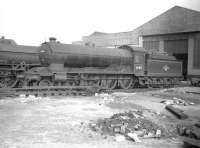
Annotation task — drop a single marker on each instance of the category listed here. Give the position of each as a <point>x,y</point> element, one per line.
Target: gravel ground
<point>63,121</point>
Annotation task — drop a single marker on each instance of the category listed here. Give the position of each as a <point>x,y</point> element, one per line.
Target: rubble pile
<point>131,124</point>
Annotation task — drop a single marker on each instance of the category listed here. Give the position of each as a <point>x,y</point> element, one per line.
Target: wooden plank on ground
<point>177,112</point>
<point>191,141</point>
<point>193,92</point>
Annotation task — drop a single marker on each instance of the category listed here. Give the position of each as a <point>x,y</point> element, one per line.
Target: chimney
<point>52,39</point>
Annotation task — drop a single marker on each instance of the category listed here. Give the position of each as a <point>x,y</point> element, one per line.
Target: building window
<point>151,45</point>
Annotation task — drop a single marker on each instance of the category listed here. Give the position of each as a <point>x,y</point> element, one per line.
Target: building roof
<point>96,33</point>
<point>175,20</point>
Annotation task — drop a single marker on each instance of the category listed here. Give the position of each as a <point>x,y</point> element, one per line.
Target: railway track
<point>51,91</point>
<point>68,90</point>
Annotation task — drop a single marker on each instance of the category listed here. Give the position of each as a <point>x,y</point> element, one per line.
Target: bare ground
<point>63,121</point>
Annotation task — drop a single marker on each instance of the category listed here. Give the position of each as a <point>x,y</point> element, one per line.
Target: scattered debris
<point>106,98</point>
<point>178,112</point>
<point>120,138</point>
<point>113,97</point>
<point>180,95</point>
<point>149,135</point>
<point>177,101</point>
<point>167,90</point>
<point>29,99</point>
<point>121,94</point>
<point>110,98</point>
<point>131,124</point>
<point>134,137</point>
<point>168,102</point>
<point>158,133</point>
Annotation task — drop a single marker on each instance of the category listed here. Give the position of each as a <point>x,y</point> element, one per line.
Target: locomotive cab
<point>138,59</point>
<point>139,63</point>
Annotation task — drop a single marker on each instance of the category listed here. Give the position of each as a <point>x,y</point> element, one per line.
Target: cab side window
<point>139,58</point>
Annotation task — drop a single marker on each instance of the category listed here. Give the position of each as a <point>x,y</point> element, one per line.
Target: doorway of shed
<point>179,49</point>
<point>184,58</point>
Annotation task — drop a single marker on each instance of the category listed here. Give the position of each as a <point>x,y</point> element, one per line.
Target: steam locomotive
<point>57,64</point>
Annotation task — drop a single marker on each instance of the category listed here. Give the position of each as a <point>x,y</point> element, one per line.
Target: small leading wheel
<point>126,83</point>
<point>45,82</point>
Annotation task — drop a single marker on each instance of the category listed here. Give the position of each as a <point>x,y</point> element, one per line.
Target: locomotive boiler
<point>57,64</point>
<point>82,56</point>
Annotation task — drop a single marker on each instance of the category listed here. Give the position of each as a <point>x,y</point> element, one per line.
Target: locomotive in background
<point>57,64</point>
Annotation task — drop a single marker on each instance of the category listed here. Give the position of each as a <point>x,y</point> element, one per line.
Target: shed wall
<point>196,56</point>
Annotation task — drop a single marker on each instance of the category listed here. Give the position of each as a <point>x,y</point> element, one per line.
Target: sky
<point>31,22</point>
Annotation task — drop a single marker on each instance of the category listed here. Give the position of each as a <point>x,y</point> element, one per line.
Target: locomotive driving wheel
<point>126,83</point>
<point>8,82</point>
<point>110,84</point>
<point>45,82</point>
